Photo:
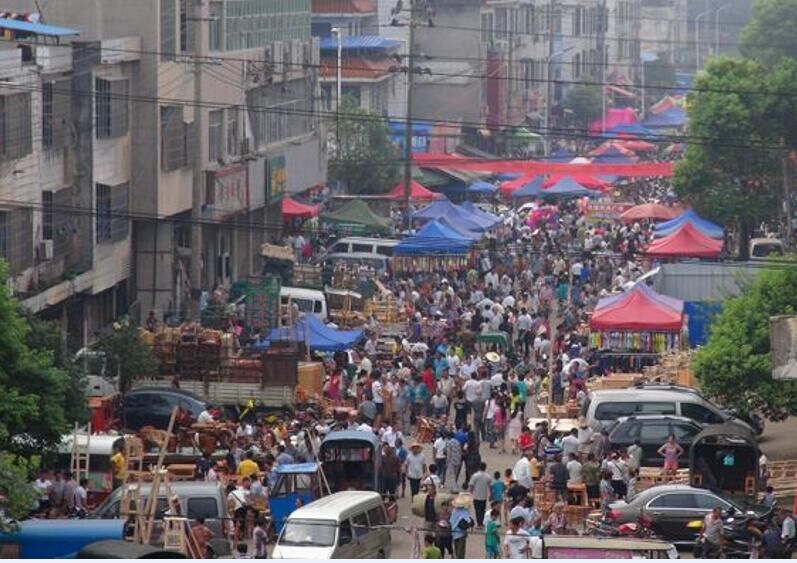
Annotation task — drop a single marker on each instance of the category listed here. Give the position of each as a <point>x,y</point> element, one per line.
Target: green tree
<point>363,138</point>
<point>16,486</point>
<point>33,391</point>
<point>769,37</point>
<point>734,366</point>
<point>126,355</point>
<point>584,104</point>
<point>730,174</point>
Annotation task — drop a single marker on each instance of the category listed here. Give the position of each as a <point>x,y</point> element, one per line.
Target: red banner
<point>633,170</point>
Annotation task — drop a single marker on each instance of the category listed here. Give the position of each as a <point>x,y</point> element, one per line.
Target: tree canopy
<point>734,365</point>
<point>126,355</point>
<point>584,101</point>
<point>17,488</point>
<point>769,36</point>
<point>365,158</point>
<point>38,398</point>
<point>731,172</point>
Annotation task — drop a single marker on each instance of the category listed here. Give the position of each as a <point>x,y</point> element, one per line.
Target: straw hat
<point>462,500</point>
<point>492,357</point>
<point>416,445</point>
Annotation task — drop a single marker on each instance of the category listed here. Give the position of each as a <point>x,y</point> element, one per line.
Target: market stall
<point>417,192</point>
<point>631,329</point>
<point>356,216</point>
<point>703,226</point>
<point>686,242</point>
<point>436,245</point>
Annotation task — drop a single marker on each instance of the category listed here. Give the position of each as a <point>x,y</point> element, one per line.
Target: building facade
<point>260,139</point>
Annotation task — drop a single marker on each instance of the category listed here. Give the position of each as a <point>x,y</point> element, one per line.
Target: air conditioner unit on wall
<point>45,250</point>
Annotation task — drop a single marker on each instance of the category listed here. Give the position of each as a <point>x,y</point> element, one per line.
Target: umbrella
<point>654,211</point>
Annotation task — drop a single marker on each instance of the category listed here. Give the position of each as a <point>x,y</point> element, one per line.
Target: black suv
<point>652,431</point>
<point>154,405</point>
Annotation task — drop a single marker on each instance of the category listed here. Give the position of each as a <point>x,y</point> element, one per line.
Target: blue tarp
<point>567,187</point>
<point>701,314</point>
<point>435,237</point>
<point>474,209</point>
<point>530,189</point>
<point>629,130</point>
<point>461,217</point>
<point>36,28</point>
<point>670,119</point>
<point>704,226</point>
<point>315,333</point>
<point>358,42</point>
<point>482,187</point>
<point>561,155</point>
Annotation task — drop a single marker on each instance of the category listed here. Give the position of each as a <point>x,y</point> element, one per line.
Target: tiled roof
<point>364,7</point>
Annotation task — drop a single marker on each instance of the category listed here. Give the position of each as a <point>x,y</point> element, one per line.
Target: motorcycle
<point>740,538</point>
<point>641,529</point>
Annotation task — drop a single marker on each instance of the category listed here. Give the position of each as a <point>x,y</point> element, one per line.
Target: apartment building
<point>260,137</point>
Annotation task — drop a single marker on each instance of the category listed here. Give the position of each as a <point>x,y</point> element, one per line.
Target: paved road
<point>779,442</point>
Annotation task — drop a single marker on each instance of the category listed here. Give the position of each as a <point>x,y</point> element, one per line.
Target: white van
<point>306,300</point>
<point>349,245</point>
<point>346,525</point>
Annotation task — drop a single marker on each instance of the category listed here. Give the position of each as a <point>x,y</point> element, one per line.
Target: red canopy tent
<point>685,242</point>
<point>638,310</point>
<point>507,188</point>
<point>654,211</point>
<point>292,209</point>
<point>616,146</point>
<point>636,145</point>
<point>417,192</point>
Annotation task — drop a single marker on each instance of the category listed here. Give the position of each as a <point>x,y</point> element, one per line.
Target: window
<point>359,524</point>
<point>684,432</point>
<point>655,433</point>
<point>56,112</point>
<point>103,210</point>
<point>674,500</point>
<point>577,15</point>
<point>187,25</point>
<point>174,139</point>
<point>215,145</point>
<point>376,516</point>
<point>384,250</point>
<point>362,247</point>
<point>233,145</point>
<point>699,413</point>
<point>47,114</point>
<point>168,29</point>
<point>656,408</point>
<point>710,502</point>
<point>501,23</point>
<point>487,28</point>
<point>111,99</point>
<point>15,126</point>
<point>16,238</point>
<point>611,411</point>
<point>47,215</point>
<point>205,507</point>
<point>215,26</point>
<point>625,432</point>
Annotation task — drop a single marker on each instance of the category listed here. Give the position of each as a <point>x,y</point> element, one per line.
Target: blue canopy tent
<point>480,187</point>
<point>560,155</point>
<point>316,334</point>
<point>458,215</point>
<point>612,156</point>
<point>567,187</point>
<point>629,130</point>
<point>706,227</point>
<point>436,237</point>
<point>531,189</point>
<point>452,223</point>
<point>671,119</point>
<point>475,210</point>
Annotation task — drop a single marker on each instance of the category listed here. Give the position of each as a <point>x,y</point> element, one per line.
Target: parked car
<point>603,407</point>
<point>652,430</point>
<point>670,508</point>
<point>153,406</point>
<point>349,245</point>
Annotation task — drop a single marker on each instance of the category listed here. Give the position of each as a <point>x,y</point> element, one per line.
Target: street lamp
<point>549,102</point>
<point>717,28</point>
<point>339,37</point>
<point>697,38</point>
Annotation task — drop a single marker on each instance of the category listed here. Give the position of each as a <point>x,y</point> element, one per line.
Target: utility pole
<point>786,170</point>
<point>198,179</point>
<point>408,118</point>
<point>604,23</point>
<point>549,85</point>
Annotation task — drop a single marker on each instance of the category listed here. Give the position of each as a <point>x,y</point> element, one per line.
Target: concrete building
<point>663,27</point>
<point>259,141</point>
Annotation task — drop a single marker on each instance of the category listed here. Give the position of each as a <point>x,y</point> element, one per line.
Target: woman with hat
<point>415,468</point>
<point>461,522</point>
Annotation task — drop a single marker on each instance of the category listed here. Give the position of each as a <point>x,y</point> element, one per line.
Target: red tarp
<point>533,167</point>
<point>637,146</point>
<point>637,310</point>
<point>417,192</point>
<point>507,188</point>
<point>685,242</point>
<point>654,211</point>
<point>292,209</point>
<point>613,118</point>
<point>612,146</point>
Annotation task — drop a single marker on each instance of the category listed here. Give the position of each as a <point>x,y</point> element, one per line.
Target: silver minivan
<point>365,245</point>
<point>605,406</point>
<point>345,525</point>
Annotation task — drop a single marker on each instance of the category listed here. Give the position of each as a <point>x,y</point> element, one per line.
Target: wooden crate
<point>311,377</point>
<point>652,476</point>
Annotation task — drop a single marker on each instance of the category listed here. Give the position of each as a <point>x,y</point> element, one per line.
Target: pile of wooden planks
<point>652,476</point>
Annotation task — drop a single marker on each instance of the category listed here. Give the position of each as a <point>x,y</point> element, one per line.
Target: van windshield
<point>309,533</point>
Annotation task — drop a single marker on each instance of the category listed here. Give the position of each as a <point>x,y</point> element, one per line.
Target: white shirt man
<point>439,447</point>
<point>376,390</point>
<point>522,472</point>
<point>574,471</point>
<point>472,390</point>
<point>205,417</point>
<point>516,543</point>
